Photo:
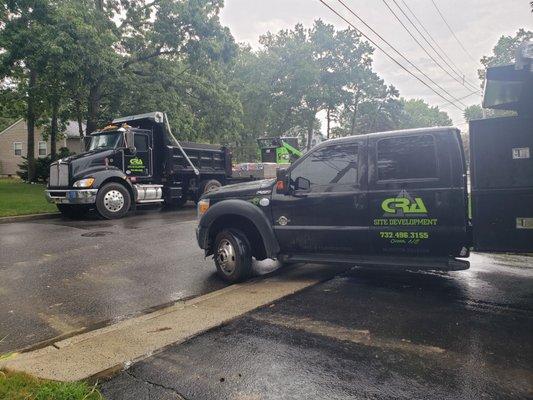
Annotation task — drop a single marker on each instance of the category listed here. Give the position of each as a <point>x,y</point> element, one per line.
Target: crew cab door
<point>417,194</point>
<point>139,164</point>
<point>327,211</point>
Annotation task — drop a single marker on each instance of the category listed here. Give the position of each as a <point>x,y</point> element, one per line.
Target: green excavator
<point>279,150</point>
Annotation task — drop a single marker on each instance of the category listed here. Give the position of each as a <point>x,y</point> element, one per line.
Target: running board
<point>440,263</point>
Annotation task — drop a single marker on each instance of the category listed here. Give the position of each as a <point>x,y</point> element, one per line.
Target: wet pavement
<point>60,276</point>
<point>364,335</point>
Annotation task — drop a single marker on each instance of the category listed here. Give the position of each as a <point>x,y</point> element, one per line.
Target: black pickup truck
<point>361,198</point>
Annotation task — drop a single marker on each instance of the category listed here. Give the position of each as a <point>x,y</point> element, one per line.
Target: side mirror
<point>302,183</point>
<point>282,181</point>
<point>129,141</point>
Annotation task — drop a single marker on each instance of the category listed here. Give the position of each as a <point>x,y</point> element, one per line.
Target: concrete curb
<point>29,217</point>
<point>106,351</point>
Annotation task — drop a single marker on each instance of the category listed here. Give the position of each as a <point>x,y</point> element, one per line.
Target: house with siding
<point>14,144</point>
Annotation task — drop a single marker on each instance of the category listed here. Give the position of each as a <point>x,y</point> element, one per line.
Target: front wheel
<point>233,256</point>
<point>113,201</point>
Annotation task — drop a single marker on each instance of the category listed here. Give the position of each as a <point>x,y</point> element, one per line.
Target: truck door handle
<point>358,201</point>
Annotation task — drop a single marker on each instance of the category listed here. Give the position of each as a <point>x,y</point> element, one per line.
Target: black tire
<point>113,201</point>
<point>207,186</point>
<point>233,256</point>
<point>72,211</point>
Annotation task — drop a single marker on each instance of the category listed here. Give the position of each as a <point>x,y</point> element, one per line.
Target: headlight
<point>84,183</point>
<point>203,206</point>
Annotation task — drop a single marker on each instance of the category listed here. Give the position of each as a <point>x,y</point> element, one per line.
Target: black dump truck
<point>388,199</point>
<point>136,160</point>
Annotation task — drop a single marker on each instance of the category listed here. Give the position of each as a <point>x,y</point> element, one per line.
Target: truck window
<point>140,142</point>
<point>408,157</point>
<point>109,140</point>
<point>330,169</point>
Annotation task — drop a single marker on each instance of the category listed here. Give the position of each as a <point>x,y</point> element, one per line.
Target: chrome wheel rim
<point>226,257</point>
<point>113,201</point>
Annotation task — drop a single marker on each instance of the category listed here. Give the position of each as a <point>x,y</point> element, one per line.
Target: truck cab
<point>397,198</point>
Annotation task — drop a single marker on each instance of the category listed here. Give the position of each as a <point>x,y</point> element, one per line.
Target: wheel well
<point>244,225</point>
<point>122,182</point>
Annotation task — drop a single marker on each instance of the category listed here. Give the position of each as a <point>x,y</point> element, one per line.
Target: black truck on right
<point>392,198</point>
<point>501,165</point>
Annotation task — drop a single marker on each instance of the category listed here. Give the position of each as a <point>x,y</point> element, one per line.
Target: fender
<point>244,209</point>
<point>102,175</point>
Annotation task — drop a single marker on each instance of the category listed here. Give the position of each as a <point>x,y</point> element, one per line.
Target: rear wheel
<point>233,256</point>
<point>113,201</point>
<point>207,186</point>
<point>72,211</point>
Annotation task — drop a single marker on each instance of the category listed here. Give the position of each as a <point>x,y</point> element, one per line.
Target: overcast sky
<point>477,23</point>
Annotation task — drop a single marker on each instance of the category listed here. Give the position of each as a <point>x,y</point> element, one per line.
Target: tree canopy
<point>93,60</point>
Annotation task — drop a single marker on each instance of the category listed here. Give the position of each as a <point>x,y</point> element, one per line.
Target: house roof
<point>12,125</point>
<point>71,131</point>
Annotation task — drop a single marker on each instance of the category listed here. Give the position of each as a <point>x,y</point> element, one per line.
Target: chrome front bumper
<point>82,196</point>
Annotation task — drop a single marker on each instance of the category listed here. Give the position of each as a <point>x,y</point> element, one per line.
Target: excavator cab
<point>279,150</point>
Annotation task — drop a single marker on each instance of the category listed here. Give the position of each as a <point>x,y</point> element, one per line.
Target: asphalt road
<point>367,334</point>
<point>60,276</point>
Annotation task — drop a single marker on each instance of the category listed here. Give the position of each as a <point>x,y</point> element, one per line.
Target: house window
<point>17,146</point>
<point>42,149</point>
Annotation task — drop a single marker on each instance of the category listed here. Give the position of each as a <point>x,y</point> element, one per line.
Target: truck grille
<point>58,175</point>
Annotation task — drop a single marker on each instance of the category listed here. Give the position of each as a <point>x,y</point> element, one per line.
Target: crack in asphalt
<point>180,396</point>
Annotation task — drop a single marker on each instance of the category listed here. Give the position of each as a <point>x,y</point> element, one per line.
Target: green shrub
<point>42,166</point>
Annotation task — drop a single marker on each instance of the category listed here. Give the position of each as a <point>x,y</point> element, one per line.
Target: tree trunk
<point>374,120</point>
<point>79,117</point>
<point>54,128</point>
<point>328,117</point>
<point>285,123</point>
<point>31,117</point>
<point>93,107</point>
<point>310,133</point>
<point>354,114</point>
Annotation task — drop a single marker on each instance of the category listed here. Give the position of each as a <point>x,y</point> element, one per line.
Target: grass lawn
<point>16,386</point>
<point>18,198</point>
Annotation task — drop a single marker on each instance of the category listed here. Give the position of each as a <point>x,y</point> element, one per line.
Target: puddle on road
<point>96,234</point>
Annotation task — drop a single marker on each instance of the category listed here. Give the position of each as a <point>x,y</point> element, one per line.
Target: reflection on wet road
<point>60,276</point>
<point>365,335</point>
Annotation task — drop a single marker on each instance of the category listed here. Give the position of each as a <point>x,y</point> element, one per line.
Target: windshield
<point>105,140</point>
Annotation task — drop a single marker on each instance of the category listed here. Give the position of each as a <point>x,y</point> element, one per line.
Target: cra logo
<point>404,204</point>
<point>136,161</point>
